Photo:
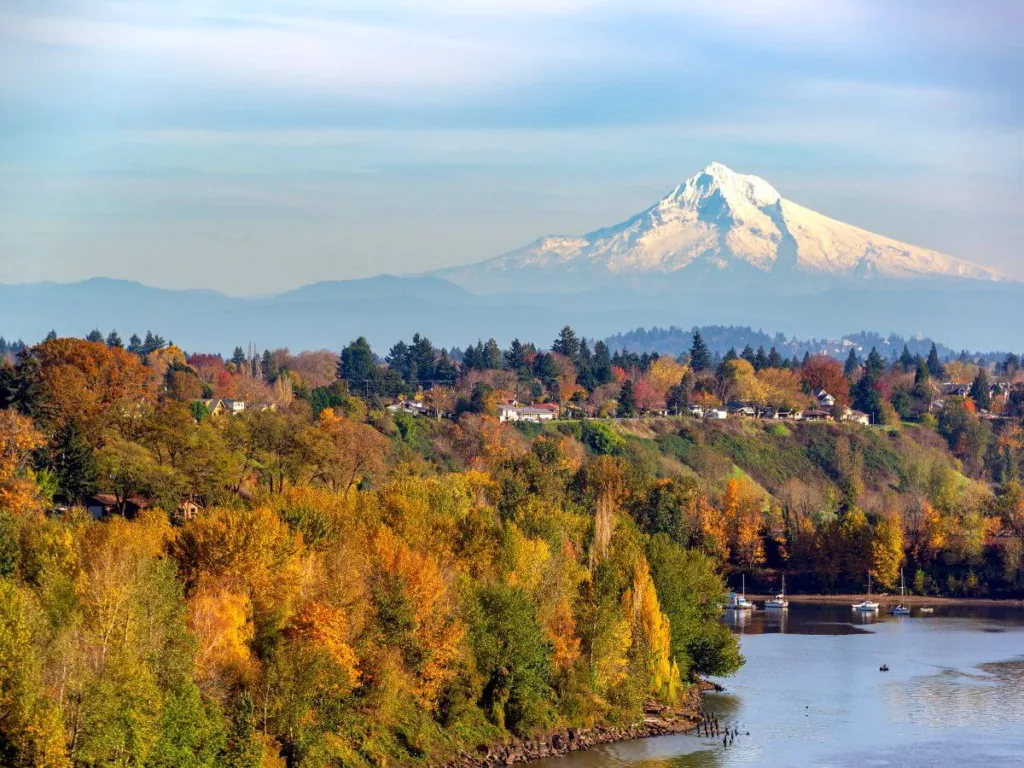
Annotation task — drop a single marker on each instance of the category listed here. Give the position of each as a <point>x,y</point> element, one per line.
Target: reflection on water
<point>800,619</point>
<point>811,693</point>
<point>990,696</point>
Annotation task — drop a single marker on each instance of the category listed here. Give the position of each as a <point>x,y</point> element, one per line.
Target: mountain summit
<point>717,221</point>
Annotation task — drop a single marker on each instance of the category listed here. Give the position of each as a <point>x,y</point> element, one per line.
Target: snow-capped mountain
<point>716,221</point>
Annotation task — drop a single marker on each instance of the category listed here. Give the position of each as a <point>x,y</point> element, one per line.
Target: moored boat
<point>739,602</point>
<point>900,609</point>
<point>779,602</point>
<point>868,605</point>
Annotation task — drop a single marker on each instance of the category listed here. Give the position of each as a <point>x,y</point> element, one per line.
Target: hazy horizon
<point>252,148</point>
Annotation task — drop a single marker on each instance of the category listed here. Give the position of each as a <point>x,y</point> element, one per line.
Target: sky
<point>251,146</point>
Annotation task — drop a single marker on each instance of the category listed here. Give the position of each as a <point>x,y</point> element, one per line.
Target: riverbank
<point>914,600</point>
<point>658,720</point>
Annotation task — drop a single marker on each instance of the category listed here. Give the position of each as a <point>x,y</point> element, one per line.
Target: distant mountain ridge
<point>716,221</point>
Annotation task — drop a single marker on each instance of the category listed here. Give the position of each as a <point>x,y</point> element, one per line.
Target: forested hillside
<point>356,590</point>
<point>317,579</point>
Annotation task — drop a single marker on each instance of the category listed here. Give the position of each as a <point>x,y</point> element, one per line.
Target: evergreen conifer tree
<point>700,356</point>
<point>760,359</point>
<point>980,392</point>
<point>906,359</point>
<point>567,343</point>
<point>935,367</point>
<point>627,399</point>
<point>515,356</point>
<point>852,364</point>
<point>356,363</point>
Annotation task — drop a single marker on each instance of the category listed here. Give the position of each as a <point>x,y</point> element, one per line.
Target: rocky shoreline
<point>658,720</point>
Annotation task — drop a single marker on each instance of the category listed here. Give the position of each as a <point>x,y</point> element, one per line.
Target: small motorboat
<point>739,602</point>
<point>884,668</point>
<point>900,609</point>
<point>926,610</point>
<point>779,602</point>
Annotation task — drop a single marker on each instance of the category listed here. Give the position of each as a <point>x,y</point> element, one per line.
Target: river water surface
<point>811,693</point>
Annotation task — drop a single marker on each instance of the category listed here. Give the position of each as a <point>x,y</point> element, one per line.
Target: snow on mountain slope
<point>719,219</point>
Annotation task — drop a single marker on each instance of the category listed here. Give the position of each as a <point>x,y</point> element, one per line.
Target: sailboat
<point>740,602</point>
<point>866,606</point>
<point>900,609</point>
<point>779,602</point>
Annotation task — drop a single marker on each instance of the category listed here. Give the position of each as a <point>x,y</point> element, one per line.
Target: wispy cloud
<point>508,118</point>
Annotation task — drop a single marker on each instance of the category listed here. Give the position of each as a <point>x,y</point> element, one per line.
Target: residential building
<point>534,414</point>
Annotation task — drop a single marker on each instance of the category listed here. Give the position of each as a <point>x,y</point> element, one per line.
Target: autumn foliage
<point>316,579</point>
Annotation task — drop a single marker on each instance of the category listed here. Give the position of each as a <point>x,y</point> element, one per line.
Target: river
<point>811,694</point>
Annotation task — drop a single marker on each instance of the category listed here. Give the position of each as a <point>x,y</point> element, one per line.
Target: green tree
<point>907,361</point>
<point>601,438</point>
<point>515,357</point>
<point>602,363</point>
<point>691,593</point>
<point>356,364</point>
<point>242,748</point>
<point>424,356</point>
<point>492,355</point>
<point>852,364</point>
<point>481,399</point>
<point>74,463</point>
<point>513,657</point>
<point>567,343</point>
<point>627,399</point>
<point>700,355</point>
<point>10,548</point>
<point>935,367</point>
<point>875,363</point>
<point>981,393</point>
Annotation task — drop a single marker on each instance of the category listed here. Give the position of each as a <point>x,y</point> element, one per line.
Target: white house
<point>524,413</point>
<point>408,406</point>
<point>825,400</point>
<point>857,417</point>
<point>219,405</point>
<point>716,413</point>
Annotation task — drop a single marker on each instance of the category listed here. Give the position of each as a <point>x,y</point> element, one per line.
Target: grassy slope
<point>773,454</point>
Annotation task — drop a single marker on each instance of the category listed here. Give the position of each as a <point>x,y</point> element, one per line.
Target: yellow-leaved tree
<point>887,551</point>
<point>651,633</point>
<point>743,509</point>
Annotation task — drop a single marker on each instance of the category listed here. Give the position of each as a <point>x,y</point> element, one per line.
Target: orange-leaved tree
<point>18,438</point>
